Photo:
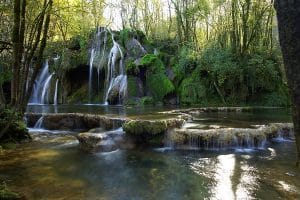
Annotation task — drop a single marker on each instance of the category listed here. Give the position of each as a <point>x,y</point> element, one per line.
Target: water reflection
<point>224,172</point>
<point>230,178</point>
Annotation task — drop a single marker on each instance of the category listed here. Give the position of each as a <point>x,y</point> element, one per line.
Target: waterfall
<point>39,123</point>
<point>45,89</point>
<point>91,74</point>
<point>41,86</point>
<point>116,79</point>
<point>55,100</point>
<point>97,53</point>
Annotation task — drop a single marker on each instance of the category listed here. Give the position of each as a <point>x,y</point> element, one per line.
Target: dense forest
<point>213,52</point>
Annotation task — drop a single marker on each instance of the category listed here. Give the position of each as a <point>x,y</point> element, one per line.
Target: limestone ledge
<point>227,136</point>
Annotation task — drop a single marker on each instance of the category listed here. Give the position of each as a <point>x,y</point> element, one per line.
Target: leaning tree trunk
<point>288,14</point>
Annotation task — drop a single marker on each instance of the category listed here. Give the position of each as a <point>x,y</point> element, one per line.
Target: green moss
<point>6,194</point>
<point>125,35</point>
<point>160,86</point>
<point>131,68</point>
<point>156,79</point>
<point>140,127</point>
<point>132,87</point>
<point>152,63</point>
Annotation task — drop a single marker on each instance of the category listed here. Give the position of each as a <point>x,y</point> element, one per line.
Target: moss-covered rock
<point>157,82</point>
<point>150,132</point>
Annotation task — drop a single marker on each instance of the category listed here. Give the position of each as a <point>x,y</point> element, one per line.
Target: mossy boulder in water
<point>99,140</point>
<point>150,131</point>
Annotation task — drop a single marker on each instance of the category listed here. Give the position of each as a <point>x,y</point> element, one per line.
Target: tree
<point>29,42</point>
<point>288,15</point>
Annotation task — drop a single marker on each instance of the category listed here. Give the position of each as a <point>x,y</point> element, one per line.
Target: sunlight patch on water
<point>224,172</point>
<point>248,182</point>
<point>287,186</point>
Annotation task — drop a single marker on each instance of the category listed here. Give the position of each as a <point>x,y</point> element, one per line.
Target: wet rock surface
<point>74,121</point>
<point>221,137</point>
<point>177,128</point>
<point>150,131</point>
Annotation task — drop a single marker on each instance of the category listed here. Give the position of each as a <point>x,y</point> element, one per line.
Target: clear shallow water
<point>257,116</point>
<point>53,167</point>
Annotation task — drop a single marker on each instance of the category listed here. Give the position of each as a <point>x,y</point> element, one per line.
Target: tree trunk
<point>40,53</point>
<point>16,50</point>
<point>288,14</point>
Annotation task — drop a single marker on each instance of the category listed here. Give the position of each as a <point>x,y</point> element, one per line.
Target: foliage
<point>217,73</point>
<point>192,91</point>
<point>12,124</point>
<point>188,60</point>
<point>5,75</point>
<point>78,42</point>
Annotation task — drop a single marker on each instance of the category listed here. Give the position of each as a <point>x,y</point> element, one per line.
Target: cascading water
<point>39,123</point>
<point>41,86</point>
<point>116,79</point>
<point>91,74</point>
<point>55,100</point>
<point>45,89</point>
<point>97,54</point>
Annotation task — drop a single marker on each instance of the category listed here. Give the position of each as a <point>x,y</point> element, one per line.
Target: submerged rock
<point>97,140</point>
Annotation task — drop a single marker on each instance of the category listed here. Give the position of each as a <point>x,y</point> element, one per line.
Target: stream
<point>53,167</point>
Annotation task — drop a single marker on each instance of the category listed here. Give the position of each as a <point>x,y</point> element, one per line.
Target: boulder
<point>135,49</point>
<point>73,121</point>
<point>98,140</point>
<point>150,132</point>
